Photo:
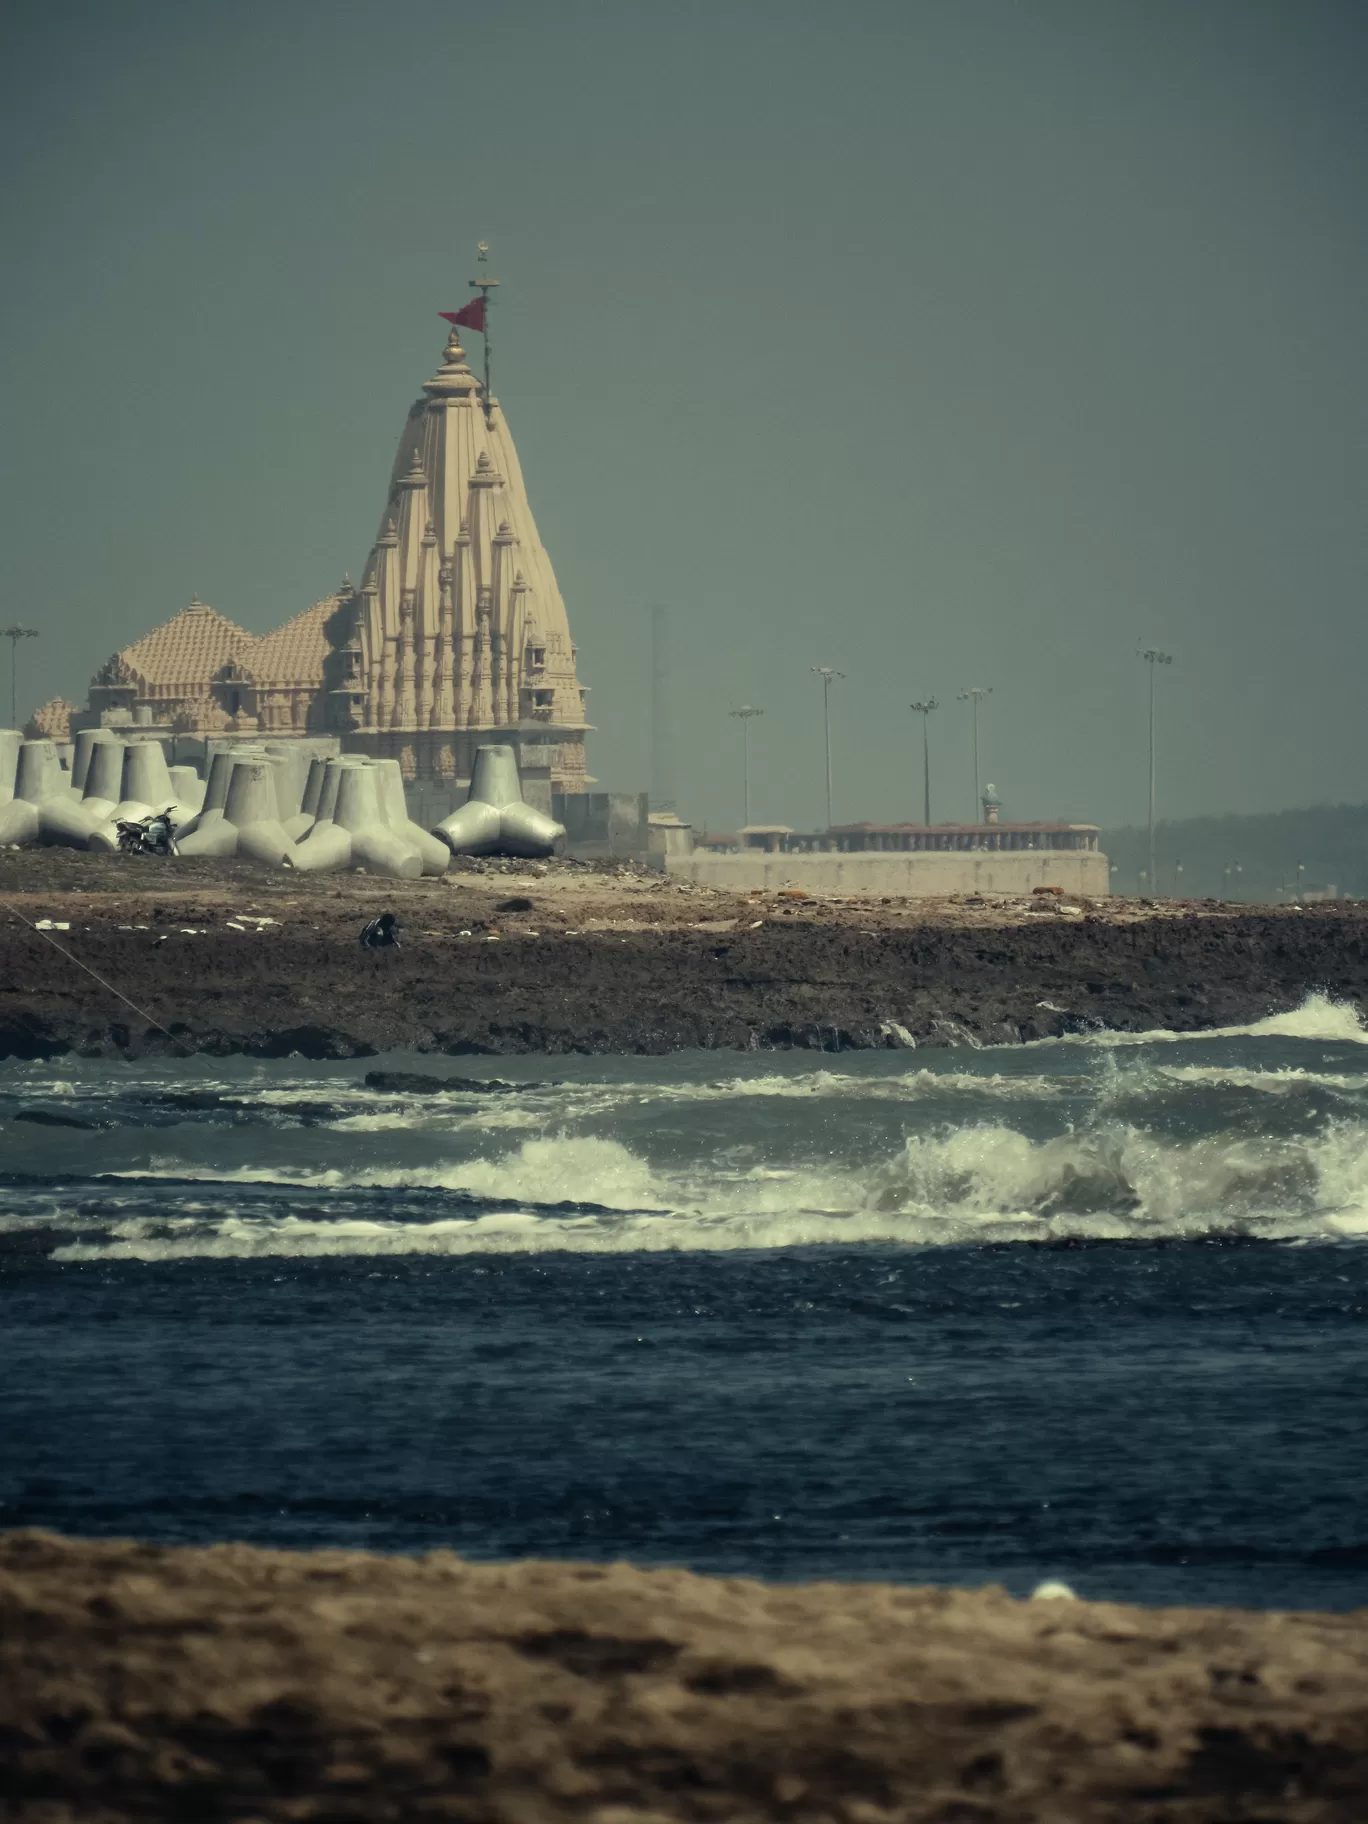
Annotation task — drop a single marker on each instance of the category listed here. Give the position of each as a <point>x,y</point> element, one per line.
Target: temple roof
<point>196,644</point>
<point>294,653</point>
<point>52,722</point>
<point>188,649</point>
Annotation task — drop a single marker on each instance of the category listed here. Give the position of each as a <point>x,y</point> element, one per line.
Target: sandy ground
<point>226,957</point>
<point>224,1684</point>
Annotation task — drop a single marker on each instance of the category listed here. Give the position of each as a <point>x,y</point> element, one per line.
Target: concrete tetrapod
<point>71,821</point>
<point>144,787</point>
<point>71,818</point>
<point>146,780</point>
<point>202,834</point>
<point>104,779</point>
<point>74,821</point>
<point>85,741</point>
<point>188,789</point>
<point>291,768</point>
<point>10,742</point>
<point>374,845</point>
<point>494,820</point>
<point>239,797</point>
<point>304,818</point>
<point>327,847</point>
<point>326,810</point>
<point>38,780</point>
<point>313,785</point>
<point>253,811</point>
<point>215,797</point>
<point>389,784</point>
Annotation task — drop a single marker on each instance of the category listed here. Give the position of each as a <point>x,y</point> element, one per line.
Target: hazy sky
<point>944,341</point>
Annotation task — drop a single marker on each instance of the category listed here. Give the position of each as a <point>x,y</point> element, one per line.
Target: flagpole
<point>484,287</point>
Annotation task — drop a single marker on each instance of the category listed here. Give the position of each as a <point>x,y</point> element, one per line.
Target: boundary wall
<point>917,875</point>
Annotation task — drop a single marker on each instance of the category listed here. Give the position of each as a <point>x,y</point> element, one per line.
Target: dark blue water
<point>972,1317</point>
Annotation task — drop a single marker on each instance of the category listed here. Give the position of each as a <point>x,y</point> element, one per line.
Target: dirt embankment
<point>562,959</point>
<point>232,1684</point>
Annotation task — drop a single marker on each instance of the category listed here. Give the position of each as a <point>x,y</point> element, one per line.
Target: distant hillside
<point>1328,844</point>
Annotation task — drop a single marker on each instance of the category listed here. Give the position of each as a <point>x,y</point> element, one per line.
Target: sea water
<point>1094,1309</point>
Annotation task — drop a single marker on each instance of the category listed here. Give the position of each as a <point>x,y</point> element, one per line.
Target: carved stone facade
<point>458,630</point>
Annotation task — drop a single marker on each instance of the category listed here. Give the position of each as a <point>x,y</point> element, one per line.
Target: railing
<point>989,839</point>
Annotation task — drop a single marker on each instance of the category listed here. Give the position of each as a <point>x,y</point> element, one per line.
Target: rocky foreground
<point>223,957</point>
<point>138,1682</point>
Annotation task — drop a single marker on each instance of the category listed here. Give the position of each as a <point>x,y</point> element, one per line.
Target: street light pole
<point>1152,657</point>
<point>746,711</point>
<point>975,695</point>
<point>828,677</point>
<point>14,635</point>
<point>924,711</point>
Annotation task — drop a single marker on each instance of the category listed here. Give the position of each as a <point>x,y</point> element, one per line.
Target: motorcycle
<point>146,836</point>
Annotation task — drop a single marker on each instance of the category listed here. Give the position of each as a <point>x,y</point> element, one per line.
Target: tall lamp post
<point>746,711</point>
<point>975,695</point>
<point>828,677</point>
<point>1152,657</point>
<point>924,711</point>
<point>14,635</point>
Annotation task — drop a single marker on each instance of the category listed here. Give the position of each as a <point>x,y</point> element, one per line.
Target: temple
<point>458,630</point>
<point>456,635</point>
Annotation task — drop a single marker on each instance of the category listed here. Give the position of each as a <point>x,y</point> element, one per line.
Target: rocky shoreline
<point>230,1683</point>
<point>225,958</point>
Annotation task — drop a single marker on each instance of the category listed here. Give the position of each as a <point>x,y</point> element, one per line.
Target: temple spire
<point>457,576</point>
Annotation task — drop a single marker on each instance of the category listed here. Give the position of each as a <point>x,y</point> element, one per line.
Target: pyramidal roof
<point>188,649</point>
<point>294,653</point>
<point>52,722</point>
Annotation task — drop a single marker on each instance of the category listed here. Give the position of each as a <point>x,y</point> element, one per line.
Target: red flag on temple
<point>472,317</point>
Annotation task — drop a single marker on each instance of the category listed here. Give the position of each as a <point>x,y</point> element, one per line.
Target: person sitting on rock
<point>381,933</point>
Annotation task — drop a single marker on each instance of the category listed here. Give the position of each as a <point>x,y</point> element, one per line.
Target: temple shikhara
<point>456,634</point>
<point>458,628</point>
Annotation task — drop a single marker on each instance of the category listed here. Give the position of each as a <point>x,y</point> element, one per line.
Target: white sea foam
<point>500,1117</point>
<point>1284,1082</point>
<point>971,1184</point>
<point>1318,1018</point>
<point>354,1110</point>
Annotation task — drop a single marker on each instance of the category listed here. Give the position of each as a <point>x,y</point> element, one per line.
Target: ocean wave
<point>971,1184</point>
<point>1117,1144</point>
<point>343,1102</point>
<point>1319,1017</point>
